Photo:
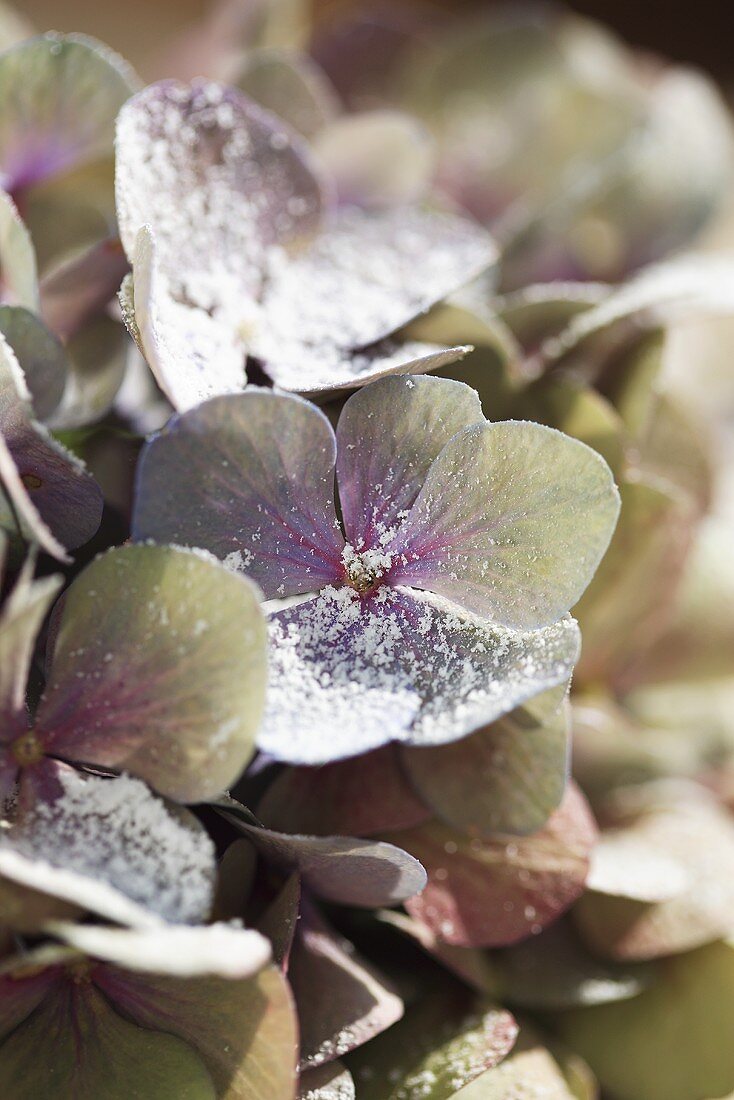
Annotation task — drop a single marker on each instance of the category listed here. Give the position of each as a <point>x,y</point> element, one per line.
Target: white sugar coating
<point>307,369</point>
<point>348,675</point>
<point>362,279</point>
<point>117,831</point>
<point>238,560</point>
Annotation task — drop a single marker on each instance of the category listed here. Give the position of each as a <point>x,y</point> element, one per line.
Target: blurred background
<point>699,34</point>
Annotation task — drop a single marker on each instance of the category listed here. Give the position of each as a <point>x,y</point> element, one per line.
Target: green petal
<point>512,522</point>
<point>76,1045</point>
<point>17,257</point>
<point>673,1042</point>
<point>529,1072</point>
<point>41,357</point>
<point>20,621</point>
<point>440,1046</point>
<point>506,778</point>
<point>168,684</point>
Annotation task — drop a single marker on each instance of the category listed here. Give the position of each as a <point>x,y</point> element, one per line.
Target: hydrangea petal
<point>21,618</point>
<point>348,675</point>
<point>221,183</point>
<point>60,95</point>
<point>342,1001</point>
<point>359,797</point>
<point>491,893</point>
<point>387,437</point>
<point>506,778</point>
<point>323,373</point>
<point>445,1041</point>
<point>116,831</point>
<point>215,950</point>
<point>18,272</point>
<point>79,288</point>
<point>332,1081</point>
<point>168,683</point>
<point>512,522</point>
<point>40,355</point>
<point>364,873</point>
<point>75,1044</point>
<point>377,158</point>
<point>97,361</point>
<point>245,1031</point>
<point>364,277</point>
<point>251,479</point>
<point>290,85</point>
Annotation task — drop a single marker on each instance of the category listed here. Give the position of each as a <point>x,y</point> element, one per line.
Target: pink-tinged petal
<point>60,95</point>
<point>81,287</point>
<point>114,830</point>
<point>223,186</point>
<point>349,674</point>
<point>387,437</point>
<point>158,669</point>
<point>21,993</point>
<point>51,492</point>
<point>359,797</point>
<point>21,618</point>
<point>342,1001</point>
<point>194,354</point>
<point>364,277</point>
<point>364,873</point>
<point>280,920</point>
<point>512,522</point>
<point>490,893</point>
<point>250,478</point>
<point>324,373</point>
<point>245,1030</point>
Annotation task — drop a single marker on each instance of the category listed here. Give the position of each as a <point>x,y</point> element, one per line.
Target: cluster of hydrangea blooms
<point>349,476</point>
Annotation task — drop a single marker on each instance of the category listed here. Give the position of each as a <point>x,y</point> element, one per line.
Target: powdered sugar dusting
<point>117,831</point>
<point>349,673</point>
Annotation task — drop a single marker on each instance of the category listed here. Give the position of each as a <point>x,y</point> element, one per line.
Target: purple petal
<point>350,674</point>
<point>342,1001</point>
<point>366,276</point>
<point>512,521</point>
<point>364,873</point>
<point>249,477</point>
<point>387,437</point>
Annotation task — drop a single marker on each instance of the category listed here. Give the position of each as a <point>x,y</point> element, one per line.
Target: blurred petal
<point>365,277</point>
<point>250,478</point>
<point>18,274</point>
<point>81,287</point>
<point>359,797</point>
<point>364,873</point>
<point>60,95</point>
<point>490,893</point>
<point>342,1001</point>
<point>690,1001</point>
<point>40,355</point>
<point>443,1043</point>
<point>76,1044</point>
<point>97,361</point>
<point>511,522</point>
<point>377,158</point>
<point>245,1031</point>
<point>216,950</point>
<point>290,85</point>
<point>21,619</point>
<point>350,674</point>
<point>168,683</point>
<point>387,437</point>
<point>507,778</point>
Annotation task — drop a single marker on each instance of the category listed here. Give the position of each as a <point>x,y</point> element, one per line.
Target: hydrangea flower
<point>154,1012</point>
<point>441,606</point>
<point>236,253</point>
<point>146,689</point>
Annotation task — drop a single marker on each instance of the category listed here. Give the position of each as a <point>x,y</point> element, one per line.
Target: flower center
<point>27,749</point>
<point>364,570</point>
